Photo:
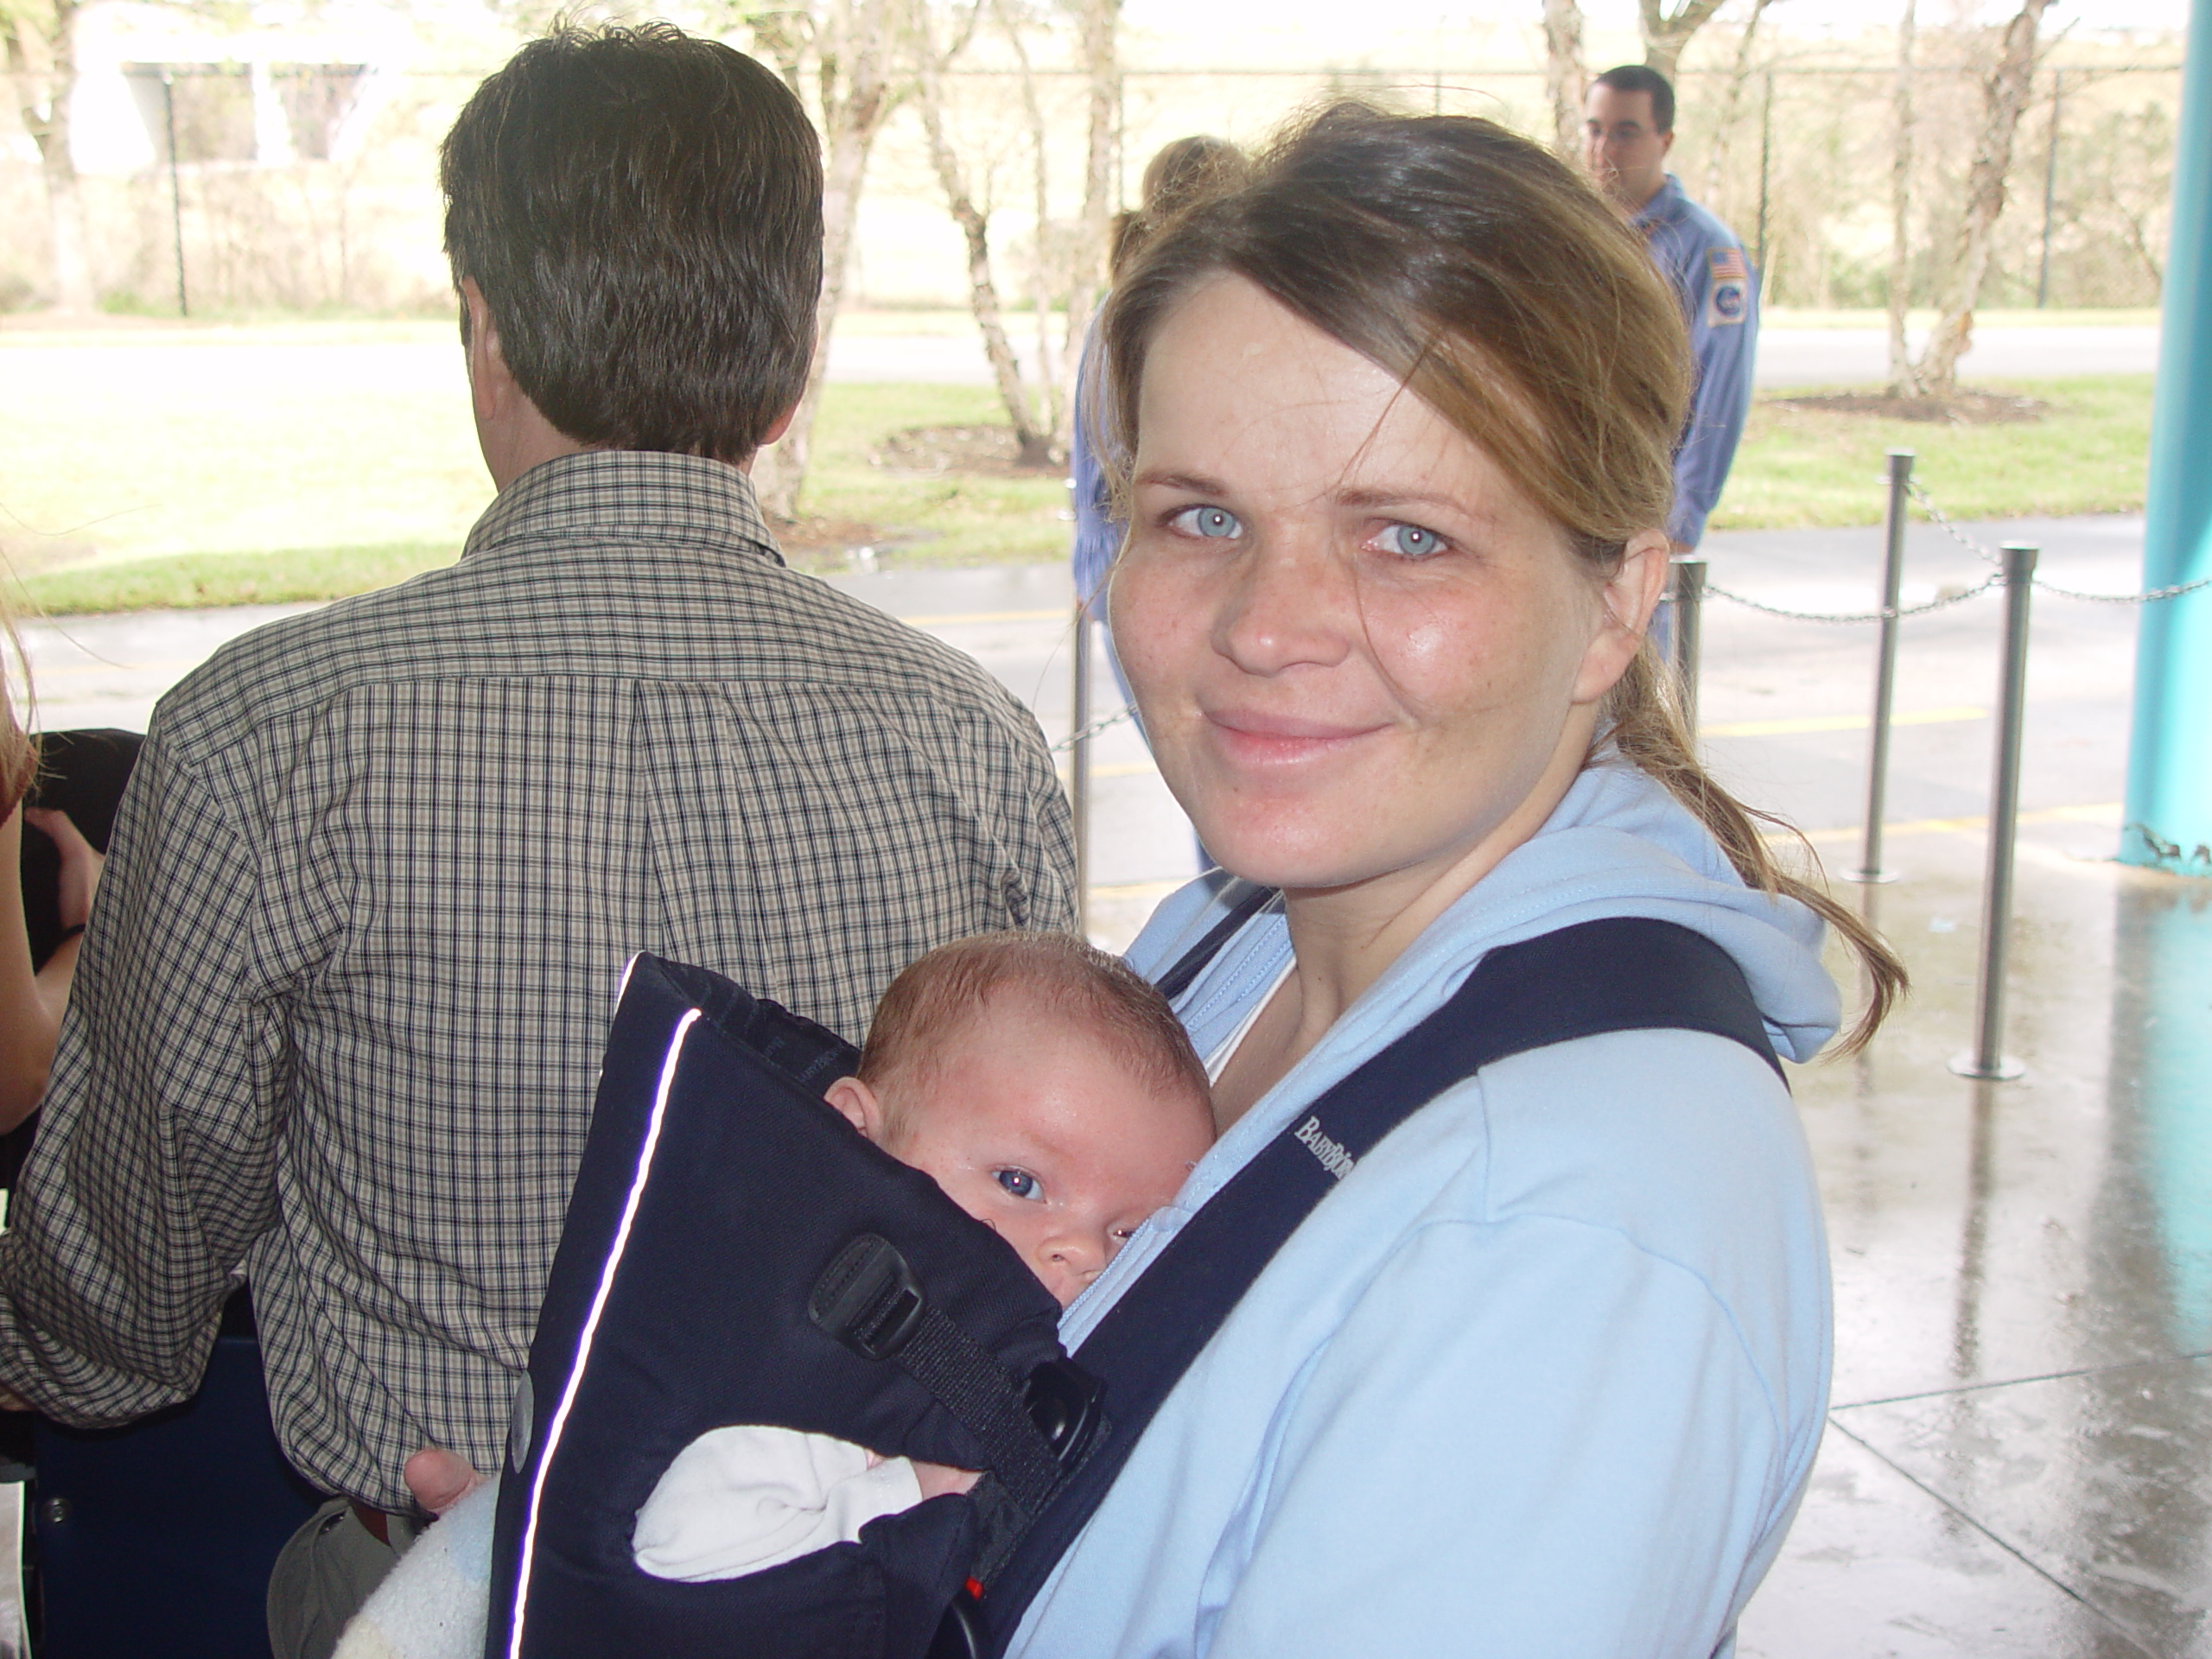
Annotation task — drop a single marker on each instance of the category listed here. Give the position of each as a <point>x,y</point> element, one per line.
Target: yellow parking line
<point>2102,812</point>
<point>1805,723</point>
<point>56,670</point>
<point>1063,615</point>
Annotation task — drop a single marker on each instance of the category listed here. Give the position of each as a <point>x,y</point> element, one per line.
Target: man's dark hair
<point>1639,78</point>
<point>643,211</point>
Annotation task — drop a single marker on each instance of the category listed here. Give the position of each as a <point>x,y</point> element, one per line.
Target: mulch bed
<point>814,544</point>
<point>935,450</point>
<point>1960,409</point>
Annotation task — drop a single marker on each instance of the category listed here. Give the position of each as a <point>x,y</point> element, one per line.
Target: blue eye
<point>1410,542</point>
<point>1019,1182</point>
<point>1212,523</point>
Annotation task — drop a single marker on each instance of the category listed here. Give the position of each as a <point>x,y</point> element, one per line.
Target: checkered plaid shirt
<point>339,1017</point>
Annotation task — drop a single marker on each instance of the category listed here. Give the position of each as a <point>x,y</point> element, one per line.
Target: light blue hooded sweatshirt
<point>1544,1376</point>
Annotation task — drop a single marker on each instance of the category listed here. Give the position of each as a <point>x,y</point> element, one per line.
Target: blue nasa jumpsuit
<point>1705,261</point>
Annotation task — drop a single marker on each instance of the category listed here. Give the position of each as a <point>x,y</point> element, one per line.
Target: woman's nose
<point>1293,601</point>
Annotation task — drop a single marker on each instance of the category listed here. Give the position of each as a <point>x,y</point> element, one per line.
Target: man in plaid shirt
<point>339,1016</point>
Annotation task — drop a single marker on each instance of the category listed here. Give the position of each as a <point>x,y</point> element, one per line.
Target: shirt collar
<point>627,497</point>
<point>1665,204</point>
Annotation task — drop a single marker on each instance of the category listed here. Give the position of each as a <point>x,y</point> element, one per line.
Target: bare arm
<point>29,1024</point>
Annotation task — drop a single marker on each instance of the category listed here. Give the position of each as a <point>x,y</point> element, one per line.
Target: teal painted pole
<point>2169,813</point>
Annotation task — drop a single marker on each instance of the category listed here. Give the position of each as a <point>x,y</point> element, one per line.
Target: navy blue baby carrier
<point>735,1253</point>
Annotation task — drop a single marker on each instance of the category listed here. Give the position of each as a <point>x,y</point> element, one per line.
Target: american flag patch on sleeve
<point>1727,264</point>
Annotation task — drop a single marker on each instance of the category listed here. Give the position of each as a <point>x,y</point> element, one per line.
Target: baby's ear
<point>860,1105</point>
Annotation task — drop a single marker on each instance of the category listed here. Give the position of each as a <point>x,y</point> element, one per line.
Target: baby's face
<point>1040,1131</point>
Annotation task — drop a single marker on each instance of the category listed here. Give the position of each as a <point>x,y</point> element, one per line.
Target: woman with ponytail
<point>1544,1369</point>
<point>31,999</point>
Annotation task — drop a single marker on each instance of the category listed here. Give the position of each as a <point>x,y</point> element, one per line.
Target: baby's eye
<point>1019,1182</point>
<point>1208,522</point>
<point>1410,542</point>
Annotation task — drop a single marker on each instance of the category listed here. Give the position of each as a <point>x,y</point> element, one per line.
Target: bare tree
<point>1054,408</point>
<point>40,41</point>
<point>1732,108</point>
<point>1034,437</point>
<point>1097,33</point>
<point>1666,33</point>
<point>1566,79</point>
<point>1903,382</point>
<point>2005,94</point>
<point>842,51</point>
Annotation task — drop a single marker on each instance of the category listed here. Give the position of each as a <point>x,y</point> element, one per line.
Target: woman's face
<point>1358,650</point>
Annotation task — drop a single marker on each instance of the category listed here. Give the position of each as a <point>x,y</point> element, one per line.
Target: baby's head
<point>1048,1089</point>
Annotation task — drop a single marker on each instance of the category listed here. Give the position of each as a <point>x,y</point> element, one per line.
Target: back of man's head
<point>642,211</point>
<point>1639,78</point>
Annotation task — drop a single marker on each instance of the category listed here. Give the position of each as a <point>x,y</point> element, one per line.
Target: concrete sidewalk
<point>2019,1462</point>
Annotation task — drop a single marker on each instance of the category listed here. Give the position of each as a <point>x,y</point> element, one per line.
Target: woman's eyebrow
<point>1196,483</point>
<point>1369,500</point>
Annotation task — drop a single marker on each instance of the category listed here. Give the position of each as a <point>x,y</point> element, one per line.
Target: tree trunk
<point>1665,33</point>
<point>1035,440</point>
<point>853,53</point>
<point>2004,96</point>
<point>1099,23</point>
<point>1715,194</point>
<point>1565,78</point>
<point>1055,410</point>
<point>1903,382</point>
<point>47,120</point>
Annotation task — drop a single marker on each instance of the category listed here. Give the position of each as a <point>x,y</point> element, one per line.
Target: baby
<point>1053,1094</point>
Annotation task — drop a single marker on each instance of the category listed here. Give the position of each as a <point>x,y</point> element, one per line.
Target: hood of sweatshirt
<point>1619,844</point>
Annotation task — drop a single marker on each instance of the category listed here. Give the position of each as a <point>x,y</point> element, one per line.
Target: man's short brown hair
<point>937,996</point>
<point>642,209</point>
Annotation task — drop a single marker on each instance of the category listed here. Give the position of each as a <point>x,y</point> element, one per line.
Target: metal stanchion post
<point>1689,571</point>
<point>1877,765</point>
<point>1079,766</point>
<point>1986,1059</point>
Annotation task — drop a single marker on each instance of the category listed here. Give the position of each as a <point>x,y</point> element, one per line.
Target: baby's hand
<point>936,1479</point>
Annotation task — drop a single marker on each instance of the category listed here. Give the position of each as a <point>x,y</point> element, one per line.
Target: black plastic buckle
<point>868,1298</point>
<point>1063,1403</point>
<point>960,1633</point>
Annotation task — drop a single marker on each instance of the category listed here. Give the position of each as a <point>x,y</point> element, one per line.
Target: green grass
<point>1802,467</point>
<point>912,519</point>
<point>188,582</point>
<point>191,485</point>
<point>953,519</point>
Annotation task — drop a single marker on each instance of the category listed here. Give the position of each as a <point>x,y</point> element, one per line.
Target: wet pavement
<point>2019,1459</point>
<point>2017,1462</point>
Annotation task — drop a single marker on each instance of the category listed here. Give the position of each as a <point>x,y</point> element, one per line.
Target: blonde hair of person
<point>1497,286</point>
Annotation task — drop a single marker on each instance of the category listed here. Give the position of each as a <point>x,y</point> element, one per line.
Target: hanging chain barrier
<point>1936,517</point>
<point>1943,601</point>
<point>1092,730</point>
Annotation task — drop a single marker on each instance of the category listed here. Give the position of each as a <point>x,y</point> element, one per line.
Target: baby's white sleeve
<point>742,1499</point>
<point>434,1603</point>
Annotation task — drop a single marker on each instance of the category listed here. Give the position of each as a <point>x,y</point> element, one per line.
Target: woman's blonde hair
<point>18,752</point>
<point>1500,289</point>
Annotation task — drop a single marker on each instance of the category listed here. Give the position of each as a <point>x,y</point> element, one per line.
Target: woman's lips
<point>1257,738</point>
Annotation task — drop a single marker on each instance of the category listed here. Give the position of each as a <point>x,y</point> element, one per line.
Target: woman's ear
<point>1627,599</point>
<point>860,1106</point>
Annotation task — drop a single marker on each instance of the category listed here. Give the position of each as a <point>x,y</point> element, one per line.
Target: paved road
<point>1787,357</point>
<point>1783,702</point>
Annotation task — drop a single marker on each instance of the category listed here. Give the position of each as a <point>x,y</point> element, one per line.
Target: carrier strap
<point>1617,974</point>
<point>1177,980</point>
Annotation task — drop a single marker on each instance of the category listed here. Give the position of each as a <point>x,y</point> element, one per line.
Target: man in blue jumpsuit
<point>1628,128</point>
